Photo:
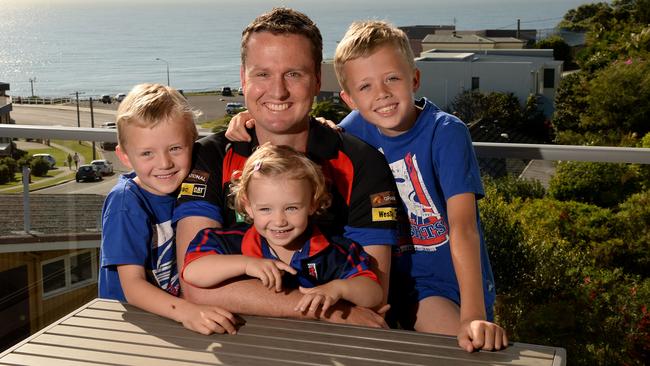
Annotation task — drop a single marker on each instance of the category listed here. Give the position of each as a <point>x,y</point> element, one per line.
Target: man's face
<point>280,81</point>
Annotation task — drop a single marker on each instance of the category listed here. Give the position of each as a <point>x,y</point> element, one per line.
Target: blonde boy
<point>441,280</point>
<point>156,131</point>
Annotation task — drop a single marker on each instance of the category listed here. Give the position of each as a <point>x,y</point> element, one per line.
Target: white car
<point>119,97</point>
<point>234,107</point>
<point>47,157</point>
<point>104,167</point>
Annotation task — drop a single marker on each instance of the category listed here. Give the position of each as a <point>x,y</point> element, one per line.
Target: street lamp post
<point>167,64</point>
<point>32,81</point>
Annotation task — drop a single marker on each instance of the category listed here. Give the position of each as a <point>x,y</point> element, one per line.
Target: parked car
<point>234,107</point>
<point>47,157</point>
<point>106,99</point>
<point>240,91</point>
<point>106,145</point>
<point>105,167</point>
<point>226,91</point>
<point>120,97</point>
<point>88,172</point>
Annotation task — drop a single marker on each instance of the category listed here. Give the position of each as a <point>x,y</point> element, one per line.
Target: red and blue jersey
<point>319,261</point>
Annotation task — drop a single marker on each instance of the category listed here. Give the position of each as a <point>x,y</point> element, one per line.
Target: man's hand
<point>481,335</point>
<point>269,271</point>
<point>345,313</point>
<point>237,127</point>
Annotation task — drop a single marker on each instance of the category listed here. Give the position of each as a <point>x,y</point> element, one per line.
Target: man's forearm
<point>248,296</point>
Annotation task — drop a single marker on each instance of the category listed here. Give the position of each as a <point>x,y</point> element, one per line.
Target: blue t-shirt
<point>137,229</point>
<point>431,162</point>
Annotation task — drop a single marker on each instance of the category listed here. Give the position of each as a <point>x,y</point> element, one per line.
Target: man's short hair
<point>285,21</point>
<point>147,105</point>
<point>363,38</point>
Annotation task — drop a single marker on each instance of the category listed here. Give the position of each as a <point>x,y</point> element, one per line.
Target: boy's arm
<point>465,253</point>
<point>380,256</point>
<point>200,318</point>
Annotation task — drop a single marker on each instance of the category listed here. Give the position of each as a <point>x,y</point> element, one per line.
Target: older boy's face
<point>280,82</point>
<point>381,87</point>
<point>160,156</point>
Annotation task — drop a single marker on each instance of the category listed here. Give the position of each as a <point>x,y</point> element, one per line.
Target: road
<point>211,106</point>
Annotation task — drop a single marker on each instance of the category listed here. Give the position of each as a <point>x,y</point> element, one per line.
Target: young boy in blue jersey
<point>156,131</point>
<point>279,189</point>
<point>441,278</point>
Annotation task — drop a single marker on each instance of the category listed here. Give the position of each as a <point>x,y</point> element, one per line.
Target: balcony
<point>49,251</point>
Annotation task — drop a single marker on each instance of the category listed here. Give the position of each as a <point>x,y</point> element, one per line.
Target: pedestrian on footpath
<point>69,161</point>
<point>76,161</point>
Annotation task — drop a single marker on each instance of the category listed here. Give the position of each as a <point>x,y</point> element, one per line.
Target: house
<point>468,40</point>
<point>446,73</point>
<point>6,145</point>
<point>416,33</point>
<point>523,72</point>
<point>51,269</point>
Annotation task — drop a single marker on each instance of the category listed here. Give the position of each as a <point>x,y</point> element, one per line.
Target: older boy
<point>442,268</point>
<point>281,57</point>
<point>156,130</point>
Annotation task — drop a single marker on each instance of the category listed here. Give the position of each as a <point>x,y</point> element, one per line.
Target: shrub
<point>39,167</point>
<point>603,184</point>
<point>12,165</point>
<point>5,176</point>
<point>510,187</point>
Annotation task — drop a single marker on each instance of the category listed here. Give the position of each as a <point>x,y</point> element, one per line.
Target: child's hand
<point>237,127</point>
<point>269,271</point>
<point>328,123</point>
<point>206,319</point>
<point>326,295</point>
<point>481,334</point>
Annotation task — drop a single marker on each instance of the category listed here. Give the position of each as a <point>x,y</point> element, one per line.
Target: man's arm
<point>249,296</point>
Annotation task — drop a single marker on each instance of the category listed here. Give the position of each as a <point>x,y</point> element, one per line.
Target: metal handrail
<point>483,149</point>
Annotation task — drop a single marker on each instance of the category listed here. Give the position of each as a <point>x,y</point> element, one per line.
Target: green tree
<point>330,110</point>
<point>619,100</point>
<point>602,184</point>
<point>561,50</point>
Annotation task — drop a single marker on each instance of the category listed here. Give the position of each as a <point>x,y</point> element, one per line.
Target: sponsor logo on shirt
<point>192,190</point>
<point>197,176</point>
<point>387,198</point>
<point>384,214</point>
<point>311,267</point>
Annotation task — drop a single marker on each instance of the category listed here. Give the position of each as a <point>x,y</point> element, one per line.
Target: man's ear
<point>124,158</point>
<point>346,98</point>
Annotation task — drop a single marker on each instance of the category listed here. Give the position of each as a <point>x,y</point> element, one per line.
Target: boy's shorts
<point>406,292</point>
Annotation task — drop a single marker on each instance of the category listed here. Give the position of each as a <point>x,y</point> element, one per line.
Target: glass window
<point>54,276</point>
<point>81,268</point>
<point>549,78</point>
<point>475,83</point>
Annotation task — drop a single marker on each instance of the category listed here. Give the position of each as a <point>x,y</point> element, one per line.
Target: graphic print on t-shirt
<point>164,272</point>
<point>428,228</point>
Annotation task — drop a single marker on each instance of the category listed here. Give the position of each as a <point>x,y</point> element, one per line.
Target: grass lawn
<point>62,172</point>
<point>222,123</point>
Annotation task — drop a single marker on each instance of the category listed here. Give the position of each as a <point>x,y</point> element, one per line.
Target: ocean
<point>106,46</point>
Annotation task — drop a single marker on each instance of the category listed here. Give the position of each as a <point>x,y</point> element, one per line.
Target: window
<point>69,272</point>
<point>475,83</point>
<point>549,78</point>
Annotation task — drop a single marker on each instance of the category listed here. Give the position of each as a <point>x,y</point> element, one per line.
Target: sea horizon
<point>106,47</point>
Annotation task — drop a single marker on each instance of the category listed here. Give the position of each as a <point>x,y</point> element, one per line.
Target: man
<point>281,53</point>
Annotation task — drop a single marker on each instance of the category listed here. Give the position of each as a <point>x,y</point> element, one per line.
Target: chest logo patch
<point>384,214</point>
<point>313,272</point>
<point>193,190</point>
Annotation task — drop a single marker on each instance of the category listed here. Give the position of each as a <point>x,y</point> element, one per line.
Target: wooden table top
<point>105,332</point>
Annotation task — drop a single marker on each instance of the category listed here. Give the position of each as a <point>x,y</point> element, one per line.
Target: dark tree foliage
<point>330,110</point>
<point>561,50</point>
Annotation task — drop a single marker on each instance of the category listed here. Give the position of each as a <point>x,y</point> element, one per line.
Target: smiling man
<point>281,53</point>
